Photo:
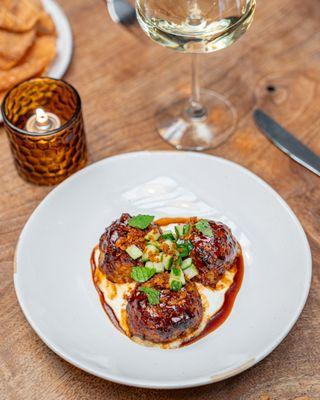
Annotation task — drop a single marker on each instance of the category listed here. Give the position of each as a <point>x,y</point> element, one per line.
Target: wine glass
<point>196,26</point>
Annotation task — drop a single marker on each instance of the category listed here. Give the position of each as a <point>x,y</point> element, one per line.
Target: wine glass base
<point>185,133</point>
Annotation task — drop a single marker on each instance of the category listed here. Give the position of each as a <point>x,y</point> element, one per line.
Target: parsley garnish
<point>204,227</point>
<point>141,221</point>
<point>152,294</point>
<point>142,274</point>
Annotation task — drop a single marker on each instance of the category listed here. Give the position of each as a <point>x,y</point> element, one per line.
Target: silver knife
<point>286,142</point>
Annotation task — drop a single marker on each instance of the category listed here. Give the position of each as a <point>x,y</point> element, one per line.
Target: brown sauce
<point>220,317</point>
<point>108,310</point>
<point>217,320</point>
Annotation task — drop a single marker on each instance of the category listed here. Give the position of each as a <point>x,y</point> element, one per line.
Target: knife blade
<point>286,142</point>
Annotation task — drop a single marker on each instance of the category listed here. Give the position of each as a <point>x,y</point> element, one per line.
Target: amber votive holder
<point>49,157</point>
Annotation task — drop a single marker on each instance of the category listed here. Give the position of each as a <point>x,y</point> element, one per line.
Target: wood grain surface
<point>123,78</point>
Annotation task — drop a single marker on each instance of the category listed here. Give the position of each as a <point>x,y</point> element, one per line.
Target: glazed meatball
<point>177,314</point>
<point>213,255</point>
<point>114,260</point>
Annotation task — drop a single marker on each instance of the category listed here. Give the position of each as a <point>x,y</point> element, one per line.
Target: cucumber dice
<point>169,243</point>
<point>134,252</point>
<point>167,261</point>
<point>149,249</point>
<point>152,248</point>
<point>191,271</point>
<point>153,235</point>
<point>176,280</point>
<point>179,230</point>
<point>186,263</point>
<point>158,266</point>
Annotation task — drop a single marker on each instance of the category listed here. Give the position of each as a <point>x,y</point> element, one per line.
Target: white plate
<point>64,43</point>
<point>53,278</point>
<point>63,57</point>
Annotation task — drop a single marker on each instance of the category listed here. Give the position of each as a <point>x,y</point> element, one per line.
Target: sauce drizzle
<point>108,310</point>
<point>220,317</point>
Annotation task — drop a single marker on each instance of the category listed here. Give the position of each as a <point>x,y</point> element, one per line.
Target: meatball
<point>177,314</point>
<point>114,260</point>
<point>213,255</point>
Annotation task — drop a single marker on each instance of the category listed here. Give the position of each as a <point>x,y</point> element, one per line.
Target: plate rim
<point>57,13</point>
<point>179,384</point>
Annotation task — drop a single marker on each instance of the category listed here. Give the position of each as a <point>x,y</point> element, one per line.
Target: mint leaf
<point>141,221</point>
<point>152,294</point>
<point>204,227</point>
<point>142,274</point>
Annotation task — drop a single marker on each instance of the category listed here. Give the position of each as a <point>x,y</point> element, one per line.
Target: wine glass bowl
<point>191,26</point>
<point>196,26</point>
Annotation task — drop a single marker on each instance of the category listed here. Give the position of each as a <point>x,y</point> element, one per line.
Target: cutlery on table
<point>121,12</point>
<point>286,142</point>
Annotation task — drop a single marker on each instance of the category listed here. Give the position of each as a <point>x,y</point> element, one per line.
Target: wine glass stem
<point>195,109</point>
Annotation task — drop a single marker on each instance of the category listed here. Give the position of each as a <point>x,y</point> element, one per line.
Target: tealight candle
<point>43,121</point>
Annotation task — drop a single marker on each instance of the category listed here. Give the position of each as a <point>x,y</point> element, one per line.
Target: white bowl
<point>56,293</point>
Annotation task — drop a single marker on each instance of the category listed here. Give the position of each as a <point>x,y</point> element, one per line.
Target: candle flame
<point>41,116</point>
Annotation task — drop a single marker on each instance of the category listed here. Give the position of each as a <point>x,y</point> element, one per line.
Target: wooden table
<point>123,78</point>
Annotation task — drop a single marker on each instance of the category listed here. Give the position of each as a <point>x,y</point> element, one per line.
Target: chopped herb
<point>168,235</point>
<point>175,285</point>
<point>184,247</point>
<point>189,245</point>
<point>179,260</point>
<point>186,229</point>
<point>204,227</point>
<point>152,294</point>
<point>176,271</point>
<point>142,274</point>
<point>141,221</point>
<point>183,250</point>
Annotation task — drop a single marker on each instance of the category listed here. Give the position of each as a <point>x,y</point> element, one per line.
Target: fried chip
<point>6,64</point>
<point>33,64</point>
<point>13,46</point>
<point>19,15</point>
<point>27,41</point>
<point>45,25</point>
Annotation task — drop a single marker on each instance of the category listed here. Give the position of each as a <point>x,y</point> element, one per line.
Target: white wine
<point>195,26</point>
<point>206,119</point>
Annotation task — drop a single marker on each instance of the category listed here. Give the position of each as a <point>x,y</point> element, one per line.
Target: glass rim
<point>53,131</point>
